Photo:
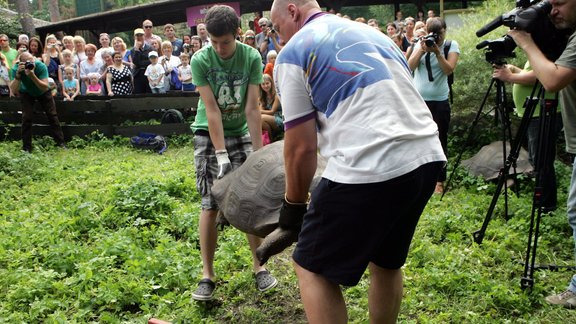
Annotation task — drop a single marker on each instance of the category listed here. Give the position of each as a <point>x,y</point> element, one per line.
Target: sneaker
<point>205,290</point>
<point>265,281</point>
<point>566,299</point>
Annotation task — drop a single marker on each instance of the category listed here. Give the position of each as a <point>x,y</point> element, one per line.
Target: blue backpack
<point>174,81</point>
<point>149,141</point>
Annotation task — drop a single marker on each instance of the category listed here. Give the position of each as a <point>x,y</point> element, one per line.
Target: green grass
<point>105,233</point>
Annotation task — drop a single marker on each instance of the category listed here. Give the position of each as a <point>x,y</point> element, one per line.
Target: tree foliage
<point>10,27</point>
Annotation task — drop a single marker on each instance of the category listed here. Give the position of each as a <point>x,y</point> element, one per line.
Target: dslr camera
<point>430,39</point>
<point>29,65</point>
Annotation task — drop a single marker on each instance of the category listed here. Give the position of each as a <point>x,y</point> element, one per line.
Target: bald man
<point>347,93</point>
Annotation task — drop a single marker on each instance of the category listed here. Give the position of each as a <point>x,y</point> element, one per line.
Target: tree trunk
<point>23,9</point>
<point>54,10</point>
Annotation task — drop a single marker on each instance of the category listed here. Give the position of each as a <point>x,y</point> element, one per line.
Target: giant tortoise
<point>250,197</point>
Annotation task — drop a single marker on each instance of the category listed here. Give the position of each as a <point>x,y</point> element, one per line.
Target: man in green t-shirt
<point>226,129</point>
<point>9,52</point>
<point>31,84</point>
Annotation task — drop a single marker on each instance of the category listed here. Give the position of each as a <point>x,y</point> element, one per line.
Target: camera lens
<point>29,66</point>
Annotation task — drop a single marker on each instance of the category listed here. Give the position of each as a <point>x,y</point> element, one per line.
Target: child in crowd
<point>271,59</point>
<point>185,73</point>
<point>68,59</point>
<point>70,85</point>
<point>94,87</point>
<point>52,86</point>
<point>270,109</point>
<point>155,73</point>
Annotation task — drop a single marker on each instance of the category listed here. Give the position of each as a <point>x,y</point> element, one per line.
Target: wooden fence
<point>125,116</point>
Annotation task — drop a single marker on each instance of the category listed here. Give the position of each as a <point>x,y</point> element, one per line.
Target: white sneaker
<point>566,299</point>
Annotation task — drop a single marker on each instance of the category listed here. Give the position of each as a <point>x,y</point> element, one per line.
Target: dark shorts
<point>349,225</point>
<point>207,166</point>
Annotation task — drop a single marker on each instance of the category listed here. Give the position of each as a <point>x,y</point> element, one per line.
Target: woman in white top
<point>105,46</point>
<point>169,63</point>
<point>79,49</point>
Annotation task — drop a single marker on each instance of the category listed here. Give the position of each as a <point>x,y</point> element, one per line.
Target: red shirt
<point>257,28</point>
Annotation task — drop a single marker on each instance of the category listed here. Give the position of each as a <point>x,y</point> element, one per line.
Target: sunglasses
<point>147,27</point>
<point>263,25</point>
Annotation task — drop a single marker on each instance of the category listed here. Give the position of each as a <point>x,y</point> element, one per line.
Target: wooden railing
<point>125,116</point>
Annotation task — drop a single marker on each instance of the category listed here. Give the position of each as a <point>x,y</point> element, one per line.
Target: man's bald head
<point>26,56</point>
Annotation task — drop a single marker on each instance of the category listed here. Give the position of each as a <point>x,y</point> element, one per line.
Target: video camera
<point>529,16</point>
<point>498,50</point>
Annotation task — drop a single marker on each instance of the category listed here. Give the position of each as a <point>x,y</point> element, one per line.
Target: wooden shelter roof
<point>173,11</point>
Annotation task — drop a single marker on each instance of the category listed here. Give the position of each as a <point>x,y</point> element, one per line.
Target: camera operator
<point>559,76</point>
<point>431,70</point>
<point>523,80</point>
<point>31,84</point>
<point>270,42</point>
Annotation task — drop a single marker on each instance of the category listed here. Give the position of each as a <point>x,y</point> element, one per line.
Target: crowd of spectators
<point>158,64</point>
<point>108,66</point>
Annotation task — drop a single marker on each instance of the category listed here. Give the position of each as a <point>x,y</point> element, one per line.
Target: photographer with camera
<point>524,80</point>
<point>559,75</point>
<point>31,84</point>
<point>270,42</point>
<point>431,70</point>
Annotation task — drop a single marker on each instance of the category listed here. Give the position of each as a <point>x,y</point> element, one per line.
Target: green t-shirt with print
<point>229,80</point>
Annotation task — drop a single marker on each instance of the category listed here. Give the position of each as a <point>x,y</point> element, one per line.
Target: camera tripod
<point>545,151</point>
<point>502,116</point>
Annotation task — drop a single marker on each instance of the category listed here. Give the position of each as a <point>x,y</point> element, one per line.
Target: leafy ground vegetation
<point>105,233</point>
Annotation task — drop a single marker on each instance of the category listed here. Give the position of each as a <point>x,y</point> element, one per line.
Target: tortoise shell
<point>250,197</point>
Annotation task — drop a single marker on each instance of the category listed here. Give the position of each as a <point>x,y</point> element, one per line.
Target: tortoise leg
<point>275,242</point>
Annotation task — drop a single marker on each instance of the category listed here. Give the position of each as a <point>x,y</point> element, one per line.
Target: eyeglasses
<point>147,27</point>
<point>250,37</point>
<point>263,25</point>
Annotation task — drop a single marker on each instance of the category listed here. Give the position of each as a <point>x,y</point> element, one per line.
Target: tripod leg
<point>512,157</point>
<point>547,122</point>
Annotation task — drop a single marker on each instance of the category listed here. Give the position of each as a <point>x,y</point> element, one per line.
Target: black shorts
<point>349,225</point>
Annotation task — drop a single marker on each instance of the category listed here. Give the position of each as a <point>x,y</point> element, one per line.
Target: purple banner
<point>195,15</point>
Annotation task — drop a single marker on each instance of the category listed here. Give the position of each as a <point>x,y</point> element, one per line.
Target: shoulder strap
<point>447,46</point>
<point>450,78</point>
